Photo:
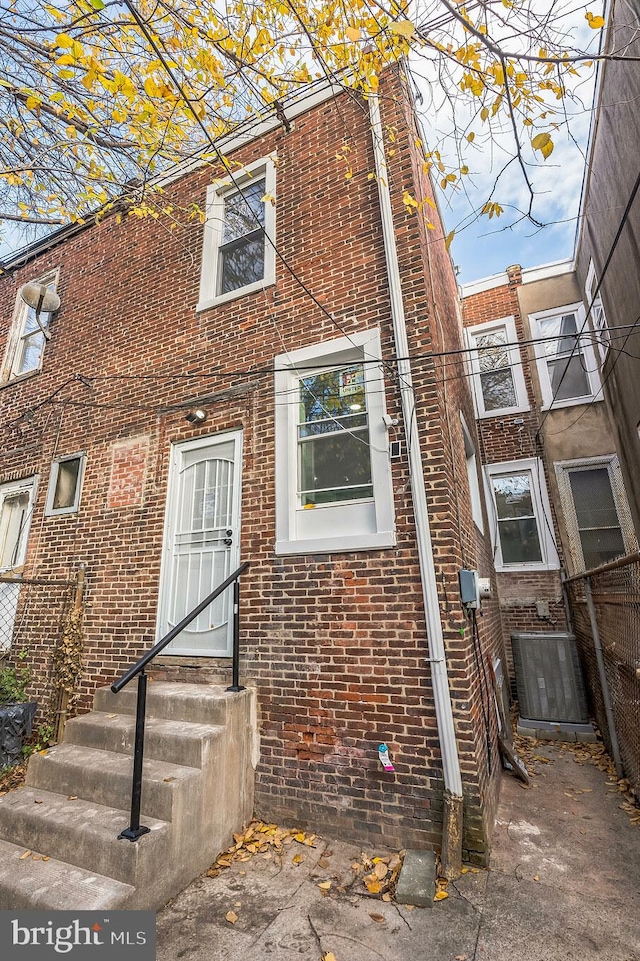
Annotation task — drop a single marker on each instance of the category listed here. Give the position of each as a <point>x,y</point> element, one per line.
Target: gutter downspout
<point>452,833</point>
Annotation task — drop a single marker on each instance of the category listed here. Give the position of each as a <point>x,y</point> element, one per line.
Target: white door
<point>201,542</point>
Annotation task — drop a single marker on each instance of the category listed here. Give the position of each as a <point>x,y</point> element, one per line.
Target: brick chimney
<point>514,273</point>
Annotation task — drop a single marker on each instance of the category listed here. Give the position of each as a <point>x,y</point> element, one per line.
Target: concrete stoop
<point>198,779</point>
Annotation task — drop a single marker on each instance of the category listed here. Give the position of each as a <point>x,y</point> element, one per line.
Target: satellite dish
<point>40,297</point>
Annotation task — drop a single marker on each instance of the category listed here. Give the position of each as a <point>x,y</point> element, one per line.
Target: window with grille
<point>596,511</point>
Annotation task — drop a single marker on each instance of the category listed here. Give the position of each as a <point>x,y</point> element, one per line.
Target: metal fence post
<point>604,684</point>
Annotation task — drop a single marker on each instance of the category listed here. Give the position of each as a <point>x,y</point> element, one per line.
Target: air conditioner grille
<point>549,677</point>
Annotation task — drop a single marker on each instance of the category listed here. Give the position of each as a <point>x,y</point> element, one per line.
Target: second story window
<point>565,357</point>
<point>495,361</point>
<point>238,256</point>
<point>27,340</point>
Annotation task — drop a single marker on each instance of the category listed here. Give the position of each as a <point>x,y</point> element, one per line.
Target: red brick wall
<point>335,643</point>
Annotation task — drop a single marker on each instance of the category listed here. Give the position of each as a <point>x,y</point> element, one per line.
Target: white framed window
<point>16,506</point>
<point>65,484</point>
<point>27,339</point>
<point>472,475</point>
<point>597,316</point>
<point>499,385</point>
<point>521,528</point>
<point>333,472</point>
<point>596,511</point>
<point>566,361</point>
<point>238,256</point>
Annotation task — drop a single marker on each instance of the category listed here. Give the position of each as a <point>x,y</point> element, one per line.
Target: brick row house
<point>209,395</point>
<point>553,482</point>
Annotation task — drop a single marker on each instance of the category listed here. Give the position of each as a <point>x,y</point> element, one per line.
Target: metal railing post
<point>235,682</point>
<point>135,829</point>
<point>604,684</point>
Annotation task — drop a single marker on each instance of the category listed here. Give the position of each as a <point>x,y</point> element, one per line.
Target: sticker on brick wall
<point>128,466</point>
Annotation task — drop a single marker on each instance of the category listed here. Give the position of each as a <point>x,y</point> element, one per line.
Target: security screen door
<point>201,542</point>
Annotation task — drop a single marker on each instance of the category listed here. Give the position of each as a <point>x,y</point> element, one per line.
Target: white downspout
<point>440,679</point>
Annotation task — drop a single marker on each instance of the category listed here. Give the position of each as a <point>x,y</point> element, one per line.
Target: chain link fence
<point>605,613</point>
<point>33,613</point>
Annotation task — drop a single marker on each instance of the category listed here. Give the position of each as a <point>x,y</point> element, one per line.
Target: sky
<point>482,246</point>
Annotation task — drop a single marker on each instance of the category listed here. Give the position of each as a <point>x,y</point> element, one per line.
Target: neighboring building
<point>553,480</point>
<point>304,473</point>
<point>608,243</point>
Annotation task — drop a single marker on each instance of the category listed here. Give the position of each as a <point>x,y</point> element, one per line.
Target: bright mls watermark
<point>79,935</point>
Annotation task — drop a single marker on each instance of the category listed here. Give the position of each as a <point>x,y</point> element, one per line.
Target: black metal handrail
<point>135,829</point>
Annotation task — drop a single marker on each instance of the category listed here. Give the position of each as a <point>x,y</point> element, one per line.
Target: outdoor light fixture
<point>40,298</point>
<point>197,416</point>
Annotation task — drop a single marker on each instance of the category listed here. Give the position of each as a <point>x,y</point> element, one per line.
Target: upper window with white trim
<point>495,361</point>
<point>333,474</point>
<point>566,361</point>
<point>597,316</point>
<point>238,254</point>
<point>28,336</point>
<point>596,511</point>
<point>521,533</point>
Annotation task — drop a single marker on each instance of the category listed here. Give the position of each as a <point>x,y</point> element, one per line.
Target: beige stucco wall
<point>574,432</point>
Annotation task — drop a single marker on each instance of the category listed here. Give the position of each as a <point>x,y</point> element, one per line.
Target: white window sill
<point>260,285</point>
<point>573,402</point>
<point>505,412</point>
<point>524,568</point>
<point>341,544</point>
<point>17,378</point>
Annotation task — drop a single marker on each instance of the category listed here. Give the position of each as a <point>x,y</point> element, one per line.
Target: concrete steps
<point>180,742</point>
<point>197,790</point>
<point>54,885</point>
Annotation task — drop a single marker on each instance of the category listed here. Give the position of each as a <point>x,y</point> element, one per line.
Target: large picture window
<point>238,256</point>
<point>333,473</point>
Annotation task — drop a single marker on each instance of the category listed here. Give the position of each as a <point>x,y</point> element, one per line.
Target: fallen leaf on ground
<point>27,854</point>
<point>325,885</point>
<point>72,797</point>
<point>440,896</point>
<point>45,857</point>
<point>381,870</point>
<point>231,917</point>
<point>461,957</point>
<point>323,862</point>
<point>377,917</point>
<point>37,800</point>
<point>298,858</point>
<point>373,884</point>
<point>329,956</point>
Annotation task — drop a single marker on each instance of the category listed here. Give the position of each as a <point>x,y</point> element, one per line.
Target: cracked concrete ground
<point>564,883</point>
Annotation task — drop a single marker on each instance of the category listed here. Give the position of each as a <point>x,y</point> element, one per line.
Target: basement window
<point>63,496</point>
